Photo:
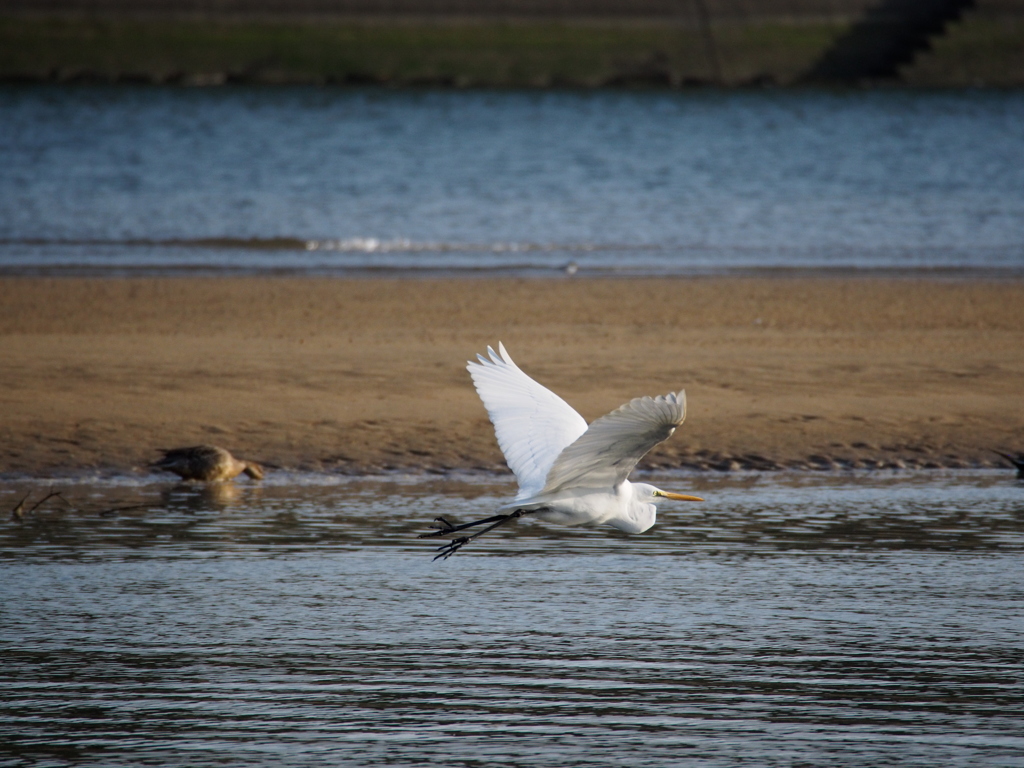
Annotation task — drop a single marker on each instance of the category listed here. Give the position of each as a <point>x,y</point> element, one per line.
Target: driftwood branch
<point>20,513</point>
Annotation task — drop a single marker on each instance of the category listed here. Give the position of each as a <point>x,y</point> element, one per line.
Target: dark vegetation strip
<point>984,47</point>
<point>517,53</point>
<point>743,10</point>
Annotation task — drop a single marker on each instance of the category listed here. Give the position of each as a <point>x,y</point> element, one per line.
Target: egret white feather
<point>608,451</point>
<point>531,422</point>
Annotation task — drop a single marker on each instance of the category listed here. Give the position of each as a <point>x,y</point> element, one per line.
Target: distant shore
<point>984,49</point>
<point>361,376</point>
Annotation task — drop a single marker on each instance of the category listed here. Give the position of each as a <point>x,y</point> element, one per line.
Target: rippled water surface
<point>841,620</point>
<point>349,181</point>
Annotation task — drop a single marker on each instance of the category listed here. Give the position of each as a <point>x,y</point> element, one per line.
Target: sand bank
<point>364,375</point>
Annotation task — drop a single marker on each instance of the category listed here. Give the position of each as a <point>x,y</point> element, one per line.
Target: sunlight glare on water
<point>846,620</point>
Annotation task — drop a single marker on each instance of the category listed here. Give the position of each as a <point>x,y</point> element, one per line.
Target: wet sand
<point>369,375</point>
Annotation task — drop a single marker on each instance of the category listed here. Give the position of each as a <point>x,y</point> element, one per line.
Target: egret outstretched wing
<point>533,424</point>
<point>607,452</point>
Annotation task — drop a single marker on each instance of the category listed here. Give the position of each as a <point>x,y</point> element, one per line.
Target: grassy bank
<point>470,52</point>
<point>407,52</point>
<point>979,51</point>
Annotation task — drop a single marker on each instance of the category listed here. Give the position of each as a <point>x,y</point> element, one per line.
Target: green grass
<point>484,52</point>
<point>977,51</point>
<point>518,53</point>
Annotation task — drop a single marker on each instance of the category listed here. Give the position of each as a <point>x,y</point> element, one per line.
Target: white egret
<point>568,473</point>
<point>206,462</point>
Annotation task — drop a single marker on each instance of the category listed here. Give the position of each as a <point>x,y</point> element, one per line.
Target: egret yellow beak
<point>678,496</point>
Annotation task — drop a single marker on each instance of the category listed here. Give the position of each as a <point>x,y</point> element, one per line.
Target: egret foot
<point>442,529</point>
<point>455,545</point>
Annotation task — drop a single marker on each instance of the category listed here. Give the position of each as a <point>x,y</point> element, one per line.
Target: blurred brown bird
<point>208,463</point>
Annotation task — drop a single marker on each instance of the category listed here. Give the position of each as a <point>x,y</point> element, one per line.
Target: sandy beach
<point>368,375</point>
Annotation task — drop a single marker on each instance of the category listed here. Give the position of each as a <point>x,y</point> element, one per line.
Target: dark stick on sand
<point>20,513</point>
<point>1017,461</point>
<point>110,512</point>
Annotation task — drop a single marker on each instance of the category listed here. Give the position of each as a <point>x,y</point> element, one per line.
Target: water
<point>338,181</point>
<point>826,619</point>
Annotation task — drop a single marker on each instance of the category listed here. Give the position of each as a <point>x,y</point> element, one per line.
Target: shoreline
<point>367,376</point>
<point>540,273</point>
<point>280,477</point>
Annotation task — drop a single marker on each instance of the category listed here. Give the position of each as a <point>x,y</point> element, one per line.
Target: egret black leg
<point>445,527</point>
<point>455,545</point>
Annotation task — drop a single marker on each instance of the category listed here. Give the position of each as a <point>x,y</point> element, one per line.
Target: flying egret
<point>568,473</point>
<point>206,462</point>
